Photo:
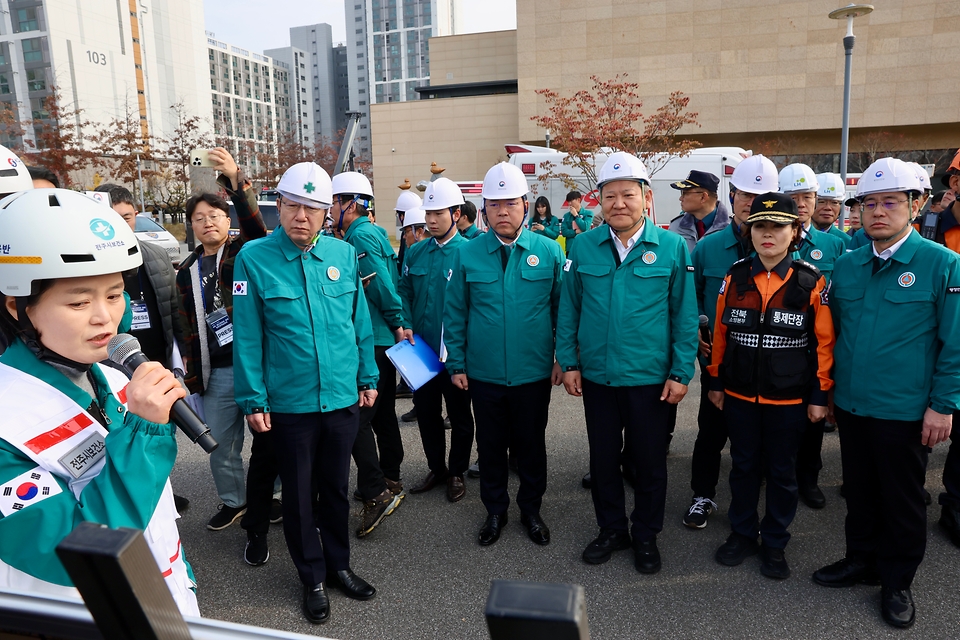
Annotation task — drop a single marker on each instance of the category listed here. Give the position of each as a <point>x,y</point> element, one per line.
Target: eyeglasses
<point>833,204</point>
<point>889,205</point>
<point>745,195</point>
<point>213,217</point>
<point>293,207</point>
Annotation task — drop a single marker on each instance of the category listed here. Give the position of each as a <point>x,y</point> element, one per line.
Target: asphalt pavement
<point>433,578</point>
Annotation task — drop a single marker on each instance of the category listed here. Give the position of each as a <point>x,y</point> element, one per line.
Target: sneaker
<point>256,552</point>
<point>276,511</point>
<point>395,487</point>
<point>700,509</point>
<point>374,511</point>
<point>604,545</point>
<point>736,549</point>
<point>773,563</point>
<point>225,516</point>
<point>474,470</point>
<point>409,416</point>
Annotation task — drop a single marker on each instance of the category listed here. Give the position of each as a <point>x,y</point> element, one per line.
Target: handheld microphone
<point>705,329</point>
<point>124,349</point>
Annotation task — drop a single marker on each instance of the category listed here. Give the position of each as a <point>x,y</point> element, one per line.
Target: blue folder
<point>417,363</point>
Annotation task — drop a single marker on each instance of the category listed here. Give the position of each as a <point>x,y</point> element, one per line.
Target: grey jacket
<point>686,226</point>
<point>156,264</point>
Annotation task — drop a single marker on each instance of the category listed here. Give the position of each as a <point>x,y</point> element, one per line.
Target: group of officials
<point>795,330</point>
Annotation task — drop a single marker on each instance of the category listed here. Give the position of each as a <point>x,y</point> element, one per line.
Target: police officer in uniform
<point>626,341</point>
<point>304,367</point>
<point>712,258</point>
<point>896,306</point>
<point>769,373</point>
<point>378,478</point>
<point>499,319</point>
<point>422,289</point>
<point>821,250</point>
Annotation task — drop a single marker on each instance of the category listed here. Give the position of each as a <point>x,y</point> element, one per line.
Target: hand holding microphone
<point>706,339</point>
<point>151,397</point>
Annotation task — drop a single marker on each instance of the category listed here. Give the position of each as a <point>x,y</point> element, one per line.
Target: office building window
<point>38,109</point>
<point>36,80</point>
<point>4,84</point>
<point>27,20</point>
<point>31,50</point>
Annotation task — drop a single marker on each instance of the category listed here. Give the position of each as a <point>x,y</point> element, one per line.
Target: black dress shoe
<point>536,528</point>
<point>736,549</point>
<point>587,481</point>
<point>773,563</point>
<point>646,556</point>
<point>352,585</point>
<point>181,503</point>
<point>609,540</point>
<point>316,604</point>
<point>897,608</point>
<point>811,496</point>
<point>490,531</point>
<point>846,573</point>
<point>430,481</point>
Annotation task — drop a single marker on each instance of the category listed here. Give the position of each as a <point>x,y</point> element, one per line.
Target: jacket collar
<point>291,251</point>
<point>21,358</point>
<point>782,268</point>
<point>494,244</point>
<point>356,227</point>
<point>903,255</point>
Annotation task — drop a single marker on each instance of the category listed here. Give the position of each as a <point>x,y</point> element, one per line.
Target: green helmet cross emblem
<point>309,188</point>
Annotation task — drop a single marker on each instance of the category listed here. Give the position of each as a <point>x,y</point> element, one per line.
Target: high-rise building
<point>387,51</point>
<point>301,92</point>
<point>317,41</point>
<point>253,99</point>
<point>106,57</point>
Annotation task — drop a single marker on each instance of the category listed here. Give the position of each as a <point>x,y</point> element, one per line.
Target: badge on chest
<point>788,319</point>
<point>733,317</point>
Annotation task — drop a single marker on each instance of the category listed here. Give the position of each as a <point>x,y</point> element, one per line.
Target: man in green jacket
<point>830,198</point>
<point>499,319</point>
<point>626,341</point>
<point>896,306</point>
<point>304,366</point>
<point>378,477</point>
<point>576,220</point>
<point>422,289</point>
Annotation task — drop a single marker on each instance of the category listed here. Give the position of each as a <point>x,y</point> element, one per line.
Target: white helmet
<point>503,182</point>
<point>79,237</point>
<point>798,178</point>
<point>622,166</point>
<point>756,174</point>
<point>923,175</point>
<point>352,183</point>
<point>14,175</point>
<point>408,200</point>
<point>442,193</point>
<point>888,174</point>
<point>414,216</point>
<point>831,187</point>
<point>308,184</point>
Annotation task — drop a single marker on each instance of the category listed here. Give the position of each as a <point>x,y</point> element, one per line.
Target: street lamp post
<point>849,12</point>
<point>140,181</point>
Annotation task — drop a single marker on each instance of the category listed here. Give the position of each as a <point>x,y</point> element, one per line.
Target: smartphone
<point>201,158</point>
<point>368,278</point>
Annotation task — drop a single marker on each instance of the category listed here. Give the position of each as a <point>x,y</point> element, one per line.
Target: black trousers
<point>809,461</point>
<point>512,418</point>
<point>384,421</point>
<point>313,453</point>
<point>638,412</point>
<point>370,476</point>
<point>429,400</point>
<point>951,468</point>
<point>884,466</point>
<point>262,471</point>
<point>763,442</point>
<point>707,450</point>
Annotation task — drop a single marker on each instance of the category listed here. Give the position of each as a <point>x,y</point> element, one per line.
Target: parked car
<point>147,230</point>
<point>269,211</point>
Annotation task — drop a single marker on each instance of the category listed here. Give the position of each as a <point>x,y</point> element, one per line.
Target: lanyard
<point>216,271</point>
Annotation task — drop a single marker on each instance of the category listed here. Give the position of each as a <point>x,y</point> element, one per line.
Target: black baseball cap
<point>700,179</point>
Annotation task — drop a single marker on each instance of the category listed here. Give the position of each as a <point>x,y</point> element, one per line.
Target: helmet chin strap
<point>516,233</point>
<point>343,212</point>
<point>453,223</point>
<point>31,339</point>
<point>910,201</point>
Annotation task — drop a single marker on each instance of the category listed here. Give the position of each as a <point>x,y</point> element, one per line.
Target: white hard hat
<point>408,200</point>
<point>798,178</point>
<point>831,186</point>
<point>414,216</point>
<point>308,184</point>
<point>922,175</point>
<point>888,174</point>
<point>14,175</point>
<point>503,182</point>
<point>756,174</point>
<point>443,193</point>
<point>352,183</point>
<point>622,166</point>
<point>78,237</point>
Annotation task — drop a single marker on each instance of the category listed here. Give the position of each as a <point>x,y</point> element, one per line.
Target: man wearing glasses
<point>305,368</point>
<point>702,213</point>
<point>712,258</point>
<point>830,198</point>
<point>896,306</point>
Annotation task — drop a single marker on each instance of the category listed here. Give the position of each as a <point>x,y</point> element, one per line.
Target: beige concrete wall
<point>749,65</point>
<point>474,57</point>
<point>463,135</point>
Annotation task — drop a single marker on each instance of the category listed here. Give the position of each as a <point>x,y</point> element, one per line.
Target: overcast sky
<point>247,24</point>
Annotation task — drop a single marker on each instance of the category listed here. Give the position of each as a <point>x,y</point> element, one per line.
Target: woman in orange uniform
<point>771,370</point>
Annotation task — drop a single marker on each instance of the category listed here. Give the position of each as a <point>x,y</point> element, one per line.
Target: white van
<point>720,161</point>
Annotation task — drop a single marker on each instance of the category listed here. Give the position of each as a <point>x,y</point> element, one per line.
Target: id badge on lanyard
<point>141,316</point>
<point>220,325</point>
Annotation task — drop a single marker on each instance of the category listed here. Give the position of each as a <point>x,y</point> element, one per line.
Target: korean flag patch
<point>27,489</point>
<point>240,288</point>
<point>566,265</point>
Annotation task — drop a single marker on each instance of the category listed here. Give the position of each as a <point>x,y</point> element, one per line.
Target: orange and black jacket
<point>773,338</point>
<point>941,228</point>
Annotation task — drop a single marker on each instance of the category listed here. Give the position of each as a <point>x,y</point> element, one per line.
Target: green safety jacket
<point>582,222</point>
<point>375,255</point>
<point>551,228</point>
<point>821,250</point>
<point>423,285</point>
